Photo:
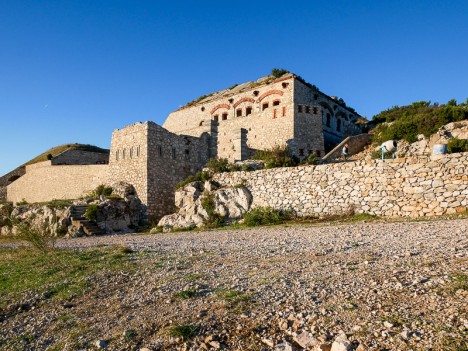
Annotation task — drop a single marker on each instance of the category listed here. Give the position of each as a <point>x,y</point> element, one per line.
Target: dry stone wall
<point>402,187</point>
<point>80,157</point>
<point>44,182</point>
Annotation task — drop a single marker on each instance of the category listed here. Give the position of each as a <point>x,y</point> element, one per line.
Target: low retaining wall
<point>407,187</point>
<point>45,182</point>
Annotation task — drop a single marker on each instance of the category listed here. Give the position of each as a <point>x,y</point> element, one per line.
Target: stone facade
<point>231,124</point>
<point>154,160</point>
<point>9,178</point>
<point>413,187</point>
<point>44,182</point>
<point>283,111</point>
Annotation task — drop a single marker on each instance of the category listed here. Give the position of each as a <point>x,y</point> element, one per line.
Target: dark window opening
<point>203,108</point>
<point>274,113</point>
<point>239,112</point>
<point>123,154</point>
<point>338,124</point>
<point>299,108</point>
<point>200,124</point>
<point>173,153</point>
<point>131,152</point>
<point>315,110</point>
<point>138,151</point>
<point>318,153</point>
<point>216,117</point>
<point>224,116</point>
<point>307,109</point>
<point>117,155</point>
<point>256,92</point>
<point>187,154</point>
<point>284,111</point>
<point>231,100</point>
<point>264,106</point>
<point>328,120</point>
<point>159,150</point>
<point>248,111</point>
<point>284,85</point>
<point>301,152</point>
<point>276,103</point>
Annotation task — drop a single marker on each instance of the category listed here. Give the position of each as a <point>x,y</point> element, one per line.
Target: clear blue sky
<point>73,71</point>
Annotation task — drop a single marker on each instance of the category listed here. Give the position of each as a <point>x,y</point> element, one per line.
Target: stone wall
<point>171,158</point>
<point>44,182</point>
<point>8,178</point>
<point>80,157</point>
<point>393,188</point>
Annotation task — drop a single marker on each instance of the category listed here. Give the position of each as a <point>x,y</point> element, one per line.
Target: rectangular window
<point>123,154</point>
<point>117,155</point>
<point>187,154</point>
<point>264,106</point>
<point>301,152</point>
<point>315,110</point>
<point>276,103</point>
<point>216,117</point>
<point>274,113</point>
<point>299,108</point>
<point>131,152</point>
<point>248,110</point>
<point>239,112</point>
<point>307,109</point>
<point>173,153</point>
<point>224,116</point>
<point>284,111</point>
<point>138,151</point>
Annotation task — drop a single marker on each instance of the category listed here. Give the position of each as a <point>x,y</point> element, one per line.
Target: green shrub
<point>100,190</point>
<point>22,203</point>
<point>278,72</point>
<point>420,117</point>
<point>264,216</point>
<point>278,156</point>
<point>198,177</point>
<point>215,220</point>
<point>312,159</point>
<point>218,165</point>
<point>186,331</point>
<point>40,236</point>
<point>91,213</point>
<point>457,145</point>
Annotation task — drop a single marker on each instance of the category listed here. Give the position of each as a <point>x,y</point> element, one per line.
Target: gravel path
<point>364,286</point>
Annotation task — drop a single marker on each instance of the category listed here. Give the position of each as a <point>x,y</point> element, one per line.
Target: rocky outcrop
<point>122,214</point>
<point>230,203</point>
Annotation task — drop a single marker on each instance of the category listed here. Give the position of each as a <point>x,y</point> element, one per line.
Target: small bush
<point>22,203</point>
<point>91,213</point>
<point>215,220</point>
<point>198,177</point>
<point>40,236</point>
<point>218,165</point>
<point>186,294</point>
<point>278,72</point>
<point>455,145</point>
<point>264,216</point>
<point>156,230</point>
<point>278,156</point>
<point>186,331</point>
<point>312,159</point>
<point>100,190</point>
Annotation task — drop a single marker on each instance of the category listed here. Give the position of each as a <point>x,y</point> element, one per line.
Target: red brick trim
<point>270,92</point>
<point>243,100</point>
<point>213,110</point>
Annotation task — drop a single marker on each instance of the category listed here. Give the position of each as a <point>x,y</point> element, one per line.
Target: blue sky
<point>73,71</point>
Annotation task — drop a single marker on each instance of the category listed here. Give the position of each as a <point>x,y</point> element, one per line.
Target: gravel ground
<point>364,286</point>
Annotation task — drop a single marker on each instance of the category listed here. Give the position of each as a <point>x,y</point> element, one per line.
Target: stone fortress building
<point>232,124</point>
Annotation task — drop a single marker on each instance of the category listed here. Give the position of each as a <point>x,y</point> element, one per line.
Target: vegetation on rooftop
<point>57,150</point>
<point>422,117</point>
